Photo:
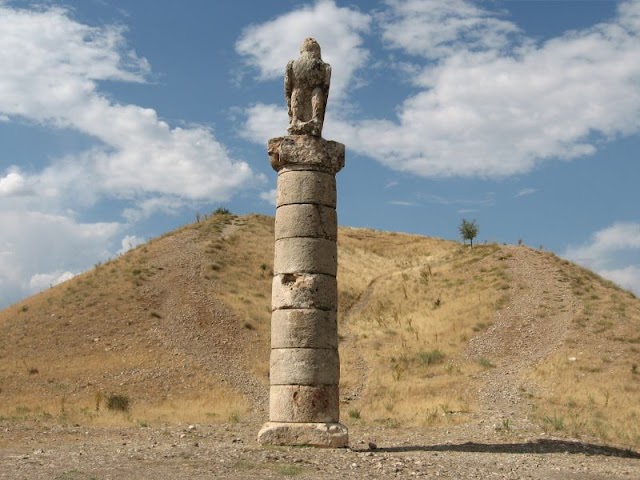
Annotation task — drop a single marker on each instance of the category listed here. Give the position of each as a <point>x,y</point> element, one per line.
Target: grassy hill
<point>432,333</point>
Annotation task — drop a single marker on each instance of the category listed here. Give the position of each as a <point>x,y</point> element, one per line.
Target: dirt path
<point>355,358</point>
<point>531,326</point>
<point>198,328</point>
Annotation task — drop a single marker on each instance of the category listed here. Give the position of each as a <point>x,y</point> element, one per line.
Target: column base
<point>330,435</point>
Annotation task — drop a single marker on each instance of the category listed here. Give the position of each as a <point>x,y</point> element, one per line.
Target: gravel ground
<point>231,451</point>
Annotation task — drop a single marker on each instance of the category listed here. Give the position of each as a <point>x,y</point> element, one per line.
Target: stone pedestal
<point>305,366</point>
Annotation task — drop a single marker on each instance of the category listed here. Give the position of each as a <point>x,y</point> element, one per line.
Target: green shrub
<point>557,422</point>
<point>221,211</point>
<point>431,358</point>
<point>486,363</point>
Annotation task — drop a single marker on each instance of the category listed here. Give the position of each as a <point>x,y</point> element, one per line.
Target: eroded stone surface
<point>305,255</point>
<point>304,366</point>
<point>304,328</point>
<point>332,435</point>
<point>303,186</point>
<point>303,152</point>
<point>304,290</point>
<point>306,220</point>
<point>306,86</point>
<point>303,403</point>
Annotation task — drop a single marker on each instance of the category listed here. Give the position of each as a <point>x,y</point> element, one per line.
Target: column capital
<point>306,152</point>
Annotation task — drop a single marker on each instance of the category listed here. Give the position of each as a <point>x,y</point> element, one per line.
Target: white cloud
<point>492,102</point>
<point>39,248</point>
<point>40,281</point>
<point>613,252</point>
<point>51,61</point>
<point>150,206</point>
<point>129,242</point>
<point>51,65</point>
<point>269,46</point>
<point>627,277</point>
<point>269,197</point>
<point>494,115</point>
<point>605,242</point>
<point>630,15</point>
<point>526,191</point>
<point>52,69</point>
<point>13,184</point>
<point>264,122</point>
<point>403,203</point>
<point>436,29</point>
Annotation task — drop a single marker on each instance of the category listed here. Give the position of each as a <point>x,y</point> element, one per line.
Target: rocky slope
<point>180,326</point>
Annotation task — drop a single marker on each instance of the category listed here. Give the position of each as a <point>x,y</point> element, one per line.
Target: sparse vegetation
<point>118,403</point>
<point>396,315</point>
<point>506,425</point>
<point>595,393</point>
<point>437,302</point>
<point>354,413</point>
<point>408,308</point>
<point>221,211</point>
<point>432,357</point>
<point>556,422</point>
<point>99,397</point>
<point>289,470</point>
<point>485,363</point>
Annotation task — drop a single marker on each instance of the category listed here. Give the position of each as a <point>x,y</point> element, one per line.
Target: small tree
<point>468,230</point>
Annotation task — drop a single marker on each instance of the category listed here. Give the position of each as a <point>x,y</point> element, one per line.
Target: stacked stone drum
<point>305,366</point>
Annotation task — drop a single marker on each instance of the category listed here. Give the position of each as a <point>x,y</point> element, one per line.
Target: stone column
<point>305,367</point>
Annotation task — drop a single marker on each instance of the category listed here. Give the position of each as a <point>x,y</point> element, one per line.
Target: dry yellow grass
<point>171,323</point>
<point>411,305</point>
<point>109,331</point>
<point>90,408</point>
<point>591,385</point>
<point>243,259</point>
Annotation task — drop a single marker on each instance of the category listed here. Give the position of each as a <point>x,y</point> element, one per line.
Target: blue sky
<point>121,120</point>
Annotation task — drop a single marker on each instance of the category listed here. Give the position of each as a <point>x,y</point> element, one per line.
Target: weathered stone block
<point>301,403</point>
<point>306,86</point>
<point>331,435</point>
<point>304,290</point>
<point>300,328</point>
<point>306,152</point>
<point>304,366</point>
<point>305,255</point>
<point>306,220</point>
<point>306,187</point>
